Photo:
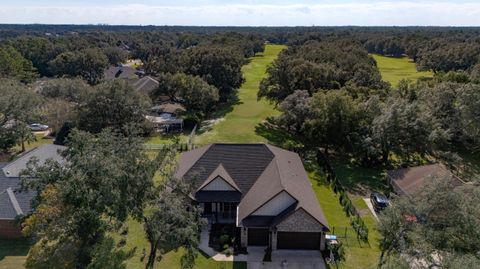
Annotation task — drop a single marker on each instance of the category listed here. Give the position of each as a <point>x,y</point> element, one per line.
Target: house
<point>166,117</point>
<point>409,181</point>
<point>262,189</point>
<point>13,202</point>
<point>120,72</point>
<point>145,85</point>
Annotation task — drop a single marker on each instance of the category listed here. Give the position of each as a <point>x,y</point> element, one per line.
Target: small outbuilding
<point>409,181</point>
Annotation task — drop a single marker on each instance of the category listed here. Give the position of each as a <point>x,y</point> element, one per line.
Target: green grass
<point>136,240</point>
<point>395,69</point>
<point>358,255</point>
<point>358,180</point>
<point>239,125</point>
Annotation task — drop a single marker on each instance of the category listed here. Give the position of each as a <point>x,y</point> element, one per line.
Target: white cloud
<point>379,13</point>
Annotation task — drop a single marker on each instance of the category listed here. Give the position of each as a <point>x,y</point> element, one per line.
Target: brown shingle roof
<point>260,171</point>
<point>120,72</point>
<point>169,107</point>
<point>409,181</point>
<point>220,172</point>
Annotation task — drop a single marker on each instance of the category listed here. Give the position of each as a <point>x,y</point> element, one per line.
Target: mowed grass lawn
<point>358,255</point>
<point>238,126</point>
<point>395,69</point>
<point>135,239</point>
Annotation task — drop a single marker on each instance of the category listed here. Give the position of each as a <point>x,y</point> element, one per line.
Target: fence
<point>356,221</point>
<point>181,147</point>
<point>191,137</point>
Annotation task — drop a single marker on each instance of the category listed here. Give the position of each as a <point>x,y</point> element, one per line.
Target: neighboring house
<point>13,202</point>
<point>145,85</point>
<point>262,189</point>
<point>134,77</point>
<point>409,181</point>
<point>166,117</point>
<point>121,72</point>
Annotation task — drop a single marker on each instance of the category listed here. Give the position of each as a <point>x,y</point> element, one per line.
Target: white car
<point>36,127</point>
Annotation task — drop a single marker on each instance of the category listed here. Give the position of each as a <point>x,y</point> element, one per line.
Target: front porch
<point>220,212</point>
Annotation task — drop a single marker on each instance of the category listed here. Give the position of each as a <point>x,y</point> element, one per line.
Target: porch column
<point>322,241</point>
<point>273,235</point>
<point>244,237</point>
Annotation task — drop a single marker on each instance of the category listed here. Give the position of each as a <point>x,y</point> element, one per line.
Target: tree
<point>113,105</point>
<point>71,90</point>
<point>314,66</point>
<point>295,111</point>
<point>18,106</point>
<point>55,112</point>
<point>63,133</point>
<point>173,222</point>
<point>105,179</point>
<point>197,95</point>
<point>115,55</point>
<point>219,66</point>
<point>14,65</point>
<point>333,119</point>
<point>38,50</point>
<point>402,128</point>
<point>88,63</point>
<point>440,220</point>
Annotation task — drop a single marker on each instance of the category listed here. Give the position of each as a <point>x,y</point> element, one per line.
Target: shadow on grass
<point>14,247</point>
<point>273,134</point>
<point>222,110</point>
<point>359,180</point>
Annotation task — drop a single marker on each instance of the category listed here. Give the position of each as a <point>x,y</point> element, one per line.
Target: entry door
<point>207,208</point>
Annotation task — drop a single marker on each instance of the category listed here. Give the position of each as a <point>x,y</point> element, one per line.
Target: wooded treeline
<point>332,96</point>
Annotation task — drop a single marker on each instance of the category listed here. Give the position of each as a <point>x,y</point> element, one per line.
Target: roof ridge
<point>14,201</point>
<point>19,157</point>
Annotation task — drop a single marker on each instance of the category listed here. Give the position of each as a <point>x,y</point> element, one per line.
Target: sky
<point>244,13</point>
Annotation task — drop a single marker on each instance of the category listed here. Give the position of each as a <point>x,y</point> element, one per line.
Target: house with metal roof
<point>262,189</point>
<point>14,202</point>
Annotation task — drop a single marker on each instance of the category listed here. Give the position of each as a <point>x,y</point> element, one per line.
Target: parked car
<point>37,127</point>
<point>379,201</point>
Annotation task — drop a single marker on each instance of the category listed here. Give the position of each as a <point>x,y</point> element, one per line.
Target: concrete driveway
<point>291,259</point>
<point>370,206</point>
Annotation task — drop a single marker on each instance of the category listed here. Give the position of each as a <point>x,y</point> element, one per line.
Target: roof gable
<point>276,205</point>
<point>220,174</point>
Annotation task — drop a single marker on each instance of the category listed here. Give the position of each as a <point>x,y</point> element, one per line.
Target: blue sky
<point>247,12</point>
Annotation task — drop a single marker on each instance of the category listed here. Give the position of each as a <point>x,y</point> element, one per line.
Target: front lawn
<point>135,239</point>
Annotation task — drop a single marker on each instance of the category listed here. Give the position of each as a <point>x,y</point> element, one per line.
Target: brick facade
<point>10,229</point>
<point>300,221</point>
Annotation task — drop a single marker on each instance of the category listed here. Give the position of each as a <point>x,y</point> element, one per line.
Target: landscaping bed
<point>224,238</point>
